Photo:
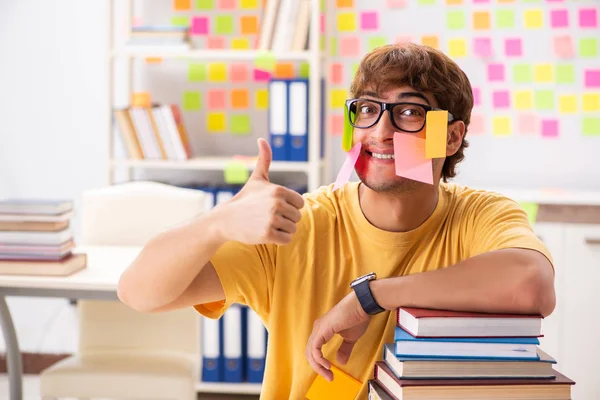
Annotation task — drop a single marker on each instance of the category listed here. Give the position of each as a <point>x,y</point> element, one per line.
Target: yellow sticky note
<point>431,41</point>
<point>261,99</point>
<point>343,387</point>
<point>457,48</point>
<point>534,19</point>
<point>217,72</point>
<point>501,126</point>
<point>543,73</point>
<point>215,122</point>
<point>248,4</point>
<point>346,22</point>
<point>591,102</point>
<point>140,99</point>
<point>338,98</point>
<point>567,103</point>
<point>240,44</point>
<point>523,99</point>
<point>436,133</point>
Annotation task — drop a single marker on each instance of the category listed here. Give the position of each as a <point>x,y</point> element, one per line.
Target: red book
<point>420,322</point>
<point>472,389</point>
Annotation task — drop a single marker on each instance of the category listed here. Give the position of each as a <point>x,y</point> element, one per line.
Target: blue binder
<point>256,348</point>
<point>232,344</point>
<point>212,344</point>
<point>297,140</point>
<point>278,118</point>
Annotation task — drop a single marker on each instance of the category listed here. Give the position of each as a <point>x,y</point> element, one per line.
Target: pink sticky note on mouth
<point>410,159</point>
<point>348,166</point>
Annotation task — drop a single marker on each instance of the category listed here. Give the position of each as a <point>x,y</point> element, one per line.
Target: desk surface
<point>104,267</point>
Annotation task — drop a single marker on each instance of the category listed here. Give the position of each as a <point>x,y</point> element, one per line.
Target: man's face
<point>374,166</point>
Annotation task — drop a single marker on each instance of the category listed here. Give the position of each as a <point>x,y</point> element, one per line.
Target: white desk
<point>98,281</point>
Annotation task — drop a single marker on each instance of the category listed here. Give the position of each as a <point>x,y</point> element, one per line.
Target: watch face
<point>368,277</point>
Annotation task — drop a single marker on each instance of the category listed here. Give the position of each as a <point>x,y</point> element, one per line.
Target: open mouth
<point>381,156</point>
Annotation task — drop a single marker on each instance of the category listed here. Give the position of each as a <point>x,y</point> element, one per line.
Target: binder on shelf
<point>232,344</point>
<point>212,364</point>
<point>297,100</point>
<point>278,118</point>
<point>256,339</point>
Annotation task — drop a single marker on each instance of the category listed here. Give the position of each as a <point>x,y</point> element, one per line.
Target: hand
<point>261,212</point>
<point>348,319</point>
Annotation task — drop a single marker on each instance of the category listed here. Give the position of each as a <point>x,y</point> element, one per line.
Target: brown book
<point>473,389</point>
<point>31,226</point>
<point>72,263</point>
<point>128,134</point>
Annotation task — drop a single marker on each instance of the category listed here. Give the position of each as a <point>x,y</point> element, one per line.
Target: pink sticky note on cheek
<point>348,166</point>
<point>409,154</point>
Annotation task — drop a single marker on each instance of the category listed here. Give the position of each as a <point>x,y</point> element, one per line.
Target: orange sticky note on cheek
<point>343,387</point>
<point>436,132</point>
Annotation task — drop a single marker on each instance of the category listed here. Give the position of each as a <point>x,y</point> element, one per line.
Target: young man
<point>293,258</point>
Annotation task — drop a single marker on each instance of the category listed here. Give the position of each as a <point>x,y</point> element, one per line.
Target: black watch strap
<point>366,299</point>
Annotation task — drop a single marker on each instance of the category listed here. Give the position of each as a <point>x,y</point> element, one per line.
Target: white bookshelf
<point>314,169</point>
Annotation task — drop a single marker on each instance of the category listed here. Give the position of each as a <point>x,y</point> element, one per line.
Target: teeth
<point>383,156</point>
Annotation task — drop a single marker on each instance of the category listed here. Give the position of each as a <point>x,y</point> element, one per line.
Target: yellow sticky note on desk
<point>343,387</point>
<point>436,134</point>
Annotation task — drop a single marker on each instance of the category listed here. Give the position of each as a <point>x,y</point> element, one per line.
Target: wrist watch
<point>364,295</point>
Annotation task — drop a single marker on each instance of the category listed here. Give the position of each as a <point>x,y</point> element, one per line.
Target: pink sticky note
<point>396,3</point>
<point>563,47</point>
<point>513,47</point>
<point>481,1</point>
<point>496,72</point>
<point>348,166</point>
<point>588,18</point>
<point>527,124</point>
<point>238,72</point>
<point>227,4</point>
<point>199,26</point>
<point>559,18</point>
<point>369,20</point>
<point>501,99</point>
<point>337,73</point>
<point>261,75</point>
<point>592,78</point>
<point>215,42</point>
<point>482,47</point>
<point>216,99</point>
<point>349,46</point>
<point>550,128</point>
<point>404,39</point>
<point>336,124</point>
<point>476,96</point>
<point>410,160</point>
<point>477,125</point>
<point>322,23</point>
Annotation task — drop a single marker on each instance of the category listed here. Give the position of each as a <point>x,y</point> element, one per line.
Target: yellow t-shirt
<point>290,286</point>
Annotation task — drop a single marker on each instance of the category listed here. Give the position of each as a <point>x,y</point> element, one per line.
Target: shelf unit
<point>314,168</point>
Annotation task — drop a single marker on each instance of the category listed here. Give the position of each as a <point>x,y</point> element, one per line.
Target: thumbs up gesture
<point>261,212</point>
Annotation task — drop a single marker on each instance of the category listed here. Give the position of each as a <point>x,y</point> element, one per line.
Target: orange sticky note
<point>140,99</point>
<point>249,24</point>
<point>240,98</point>
<point>182,5</point>
<point>343,387</point>
<point>436,133</point>
<point>284,70</point>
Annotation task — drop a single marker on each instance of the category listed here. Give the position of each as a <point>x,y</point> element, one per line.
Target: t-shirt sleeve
<point>498,223</point>
<point>246,273</point>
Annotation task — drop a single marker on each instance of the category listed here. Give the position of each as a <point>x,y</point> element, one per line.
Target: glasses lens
<point>409,117</point>
<point>364,113</point>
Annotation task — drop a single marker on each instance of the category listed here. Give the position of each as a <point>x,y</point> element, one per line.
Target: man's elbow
<point>538,294</point>
<point>128,297</point>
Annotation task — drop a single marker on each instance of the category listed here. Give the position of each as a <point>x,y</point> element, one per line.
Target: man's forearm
<point>503,281</point>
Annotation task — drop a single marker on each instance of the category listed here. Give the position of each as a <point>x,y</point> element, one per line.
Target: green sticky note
<point>565,73</point>
<point>588,47</point>
<point>455,20</point>
<point>531,209</point>
<point>333,47</point>
<point>355,68</point>
<point>347,135</point>
<point>205,4</point>
<point>522,73</point>
<point>376,41</point>
<point>265,61</point>
<point>304,70</point>
<point>191,101</point>
<point>426,2</point>
<point>180,20</point>
<point>235,172</point>
<point>240,124</point>
<point>544,100</point>
<point>224,24</point>
<point>505,19</point>
<point>591,126</point>
<point>322,43</point>
<point>197,73</point>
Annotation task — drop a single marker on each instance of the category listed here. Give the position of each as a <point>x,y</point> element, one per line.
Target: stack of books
<point>159,35</point>
<point>36,238</point>
<point>440,354</point>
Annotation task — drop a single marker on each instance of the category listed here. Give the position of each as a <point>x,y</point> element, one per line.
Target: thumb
<point>264,161</point>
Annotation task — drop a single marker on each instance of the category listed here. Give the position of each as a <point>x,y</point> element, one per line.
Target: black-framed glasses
<point>407,117</point>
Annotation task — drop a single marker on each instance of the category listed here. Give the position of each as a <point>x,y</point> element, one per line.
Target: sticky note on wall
<point>348,129</point>
<point>235,172</point>
<point>436,134</point>
<point>531,209</point>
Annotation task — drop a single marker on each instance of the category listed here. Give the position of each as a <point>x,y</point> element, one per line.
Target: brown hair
<point>427,70</point>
